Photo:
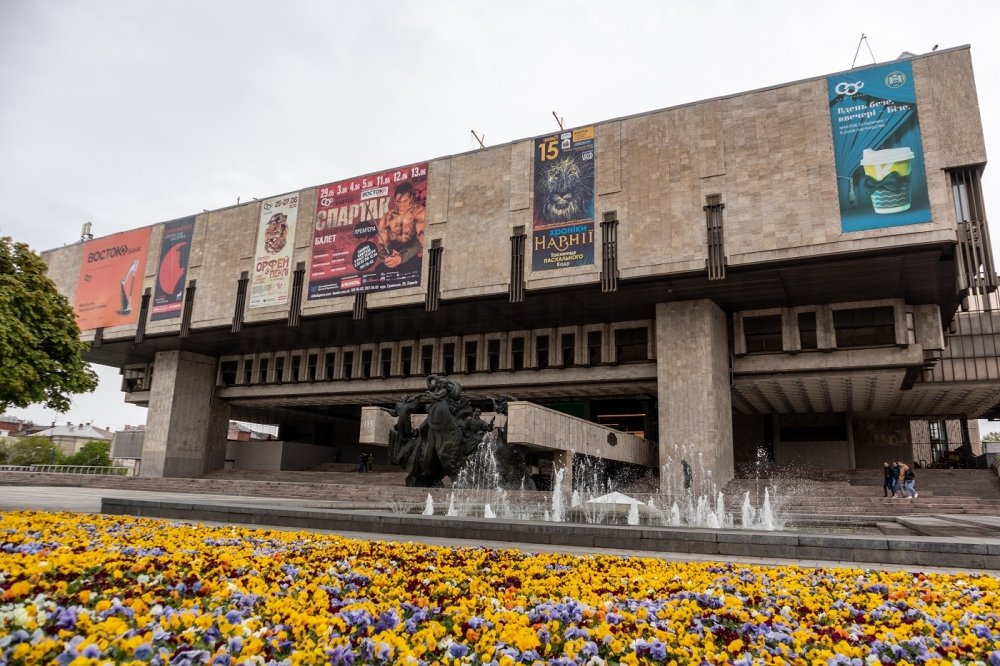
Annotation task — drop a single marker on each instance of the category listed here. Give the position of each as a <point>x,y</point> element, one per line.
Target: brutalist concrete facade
<point>696,387</point>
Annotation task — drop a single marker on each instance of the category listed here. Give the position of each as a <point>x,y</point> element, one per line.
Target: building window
<point>248,371</point>
<point>631,344</point>
<point>241,302</point>
<point>433,299</point>
<point>978,270</point>
<point>330,365</point>
<point>134,380</point>
<point>471,351</point>
<point>865,327</point>
<point>517,265</point>
<point>311,362</point>
<point>517,353</point>
<point>406,360</point>
<point>939,440</point>
<point>295,302</point>
<point>366,363</point>
<point>296,368</point>
<point>279,369</point>
<point>493,355</point>
<point>716,260</point>
<point>426,359</point>
<point>348,365</point>
<point>262,371</point>
<point>542,351</point>
<point>448,357</point>
<point>386,362</point>
<point>227,372</point>
<point>594,344</point>
<point>609,252</point>
<point>762,334</point>
<point>568,344</point>
<point>807,330</point>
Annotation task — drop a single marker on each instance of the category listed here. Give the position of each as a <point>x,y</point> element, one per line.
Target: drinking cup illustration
<point>887,178</point>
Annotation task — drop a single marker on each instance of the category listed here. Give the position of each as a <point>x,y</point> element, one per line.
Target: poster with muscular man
<point>368,234</point>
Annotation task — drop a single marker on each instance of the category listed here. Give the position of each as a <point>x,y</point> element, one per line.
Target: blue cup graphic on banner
<point>881,179</point>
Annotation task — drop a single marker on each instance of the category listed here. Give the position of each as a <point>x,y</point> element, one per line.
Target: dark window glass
<point>228,371</point>
<point>406,360</point>
<point>262,371</point>
<point>296,367</point>
<point>448,357</point>
<point>594,348</point>
<point>631,344</point>
<point>311,362</point>
<point>248,371</point>
<point>426,359</point>
<point>568,344</point>
<point>517,353</point>
<point>279,369</point>
<point>366,363</point>
<point>471,351</point>
<point>762,334</point>
<point>542,351</point>
<point>864,327</point>
<point>493,355</point>
<point>330,364</point>
<point>807,330</point>
<point>348,365</point>
<point>386,362</point>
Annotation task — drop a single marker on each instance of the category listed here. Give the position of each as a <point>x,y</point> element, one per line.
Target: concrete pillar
<point>694,395</point>
<point>186,424</point>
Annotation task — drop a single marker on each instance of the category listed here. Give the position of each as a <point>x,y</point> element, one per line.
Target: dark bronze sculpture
<point>452,434</point>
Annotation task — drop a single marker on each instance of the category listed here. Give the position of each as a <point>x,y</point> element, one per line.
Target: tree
<point>96,453</point>
<point>35,451</point>
<point>41,354</point>
<point>992,436</point>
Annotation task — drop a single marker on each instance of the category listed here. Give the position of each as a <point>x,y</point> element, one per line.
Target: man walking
<point>888,484</point>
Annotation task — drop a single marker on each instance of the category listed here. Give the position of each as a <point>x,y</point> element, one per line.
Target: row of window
<point>855,327</point>
<point>631,344</point>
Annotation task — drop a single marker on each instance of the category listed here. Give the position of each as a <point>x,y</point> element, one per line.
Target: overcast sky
<point>126,113</point>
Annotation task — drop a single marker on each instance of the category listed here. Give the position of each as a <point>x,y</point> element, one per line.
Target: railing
<point>68,469</point>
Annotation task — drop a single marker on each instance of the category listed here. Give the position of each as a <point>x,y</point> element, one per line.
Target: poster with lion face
<point>563,220</point>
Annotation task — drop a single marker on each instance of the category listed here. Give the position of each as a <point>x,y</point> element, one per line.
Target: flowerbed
<point>90,589</point>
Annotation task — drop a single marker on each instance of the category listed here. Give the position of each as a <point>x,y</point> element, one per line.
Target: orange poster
<point>110,284</point>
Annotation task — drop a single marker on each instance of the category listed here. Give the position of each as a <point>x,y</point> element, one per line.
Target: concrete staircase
<point>833,497</point>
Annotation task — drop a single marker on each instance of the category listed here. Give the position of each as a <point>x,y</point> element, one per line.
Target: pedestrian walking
<point>896,483</point>
<point>910,482</point>
<point>888,485</point>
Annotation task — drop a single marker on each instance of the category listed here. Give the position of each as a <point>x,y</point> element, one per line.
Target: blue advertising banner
<point>563,216</point>
<point>881,180</point>
<point>168,295</point>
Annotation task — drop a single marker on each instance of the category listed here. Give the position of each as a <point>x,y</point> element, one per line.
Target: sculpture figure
<point>452,433</point>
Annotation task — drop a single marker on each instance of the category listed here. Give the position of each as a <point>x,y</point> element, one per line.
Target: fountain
<point>489,476</point>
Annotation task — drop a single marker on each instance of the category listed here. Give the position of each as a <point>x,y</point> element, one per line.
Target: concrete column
<point>694,395</point>
<point>186,424</point>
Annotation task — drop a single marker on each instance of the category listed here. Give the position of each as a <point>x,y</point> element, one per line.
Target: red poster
<point>368,234</point>
<point>110,284</point>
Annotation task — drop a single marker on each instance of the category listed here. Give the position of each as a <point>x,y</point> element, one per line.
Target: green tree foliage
<point>34,451</point>
<point>992,437</point>
<point>40,348</point>
<point>96,453</point>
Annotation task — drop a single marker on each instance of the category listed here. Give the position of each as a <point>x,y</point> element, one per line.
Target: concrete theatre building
<point>794,268</point>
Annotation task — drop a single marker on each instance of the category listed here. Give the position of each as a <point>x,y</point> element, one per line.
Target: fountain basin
<point>928,551</point>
